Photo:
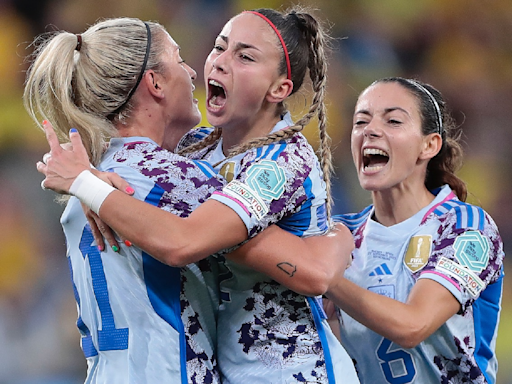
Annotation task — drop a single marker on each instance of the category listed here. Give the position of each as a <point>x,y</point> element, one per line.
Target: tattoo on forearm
<point>287,268</point>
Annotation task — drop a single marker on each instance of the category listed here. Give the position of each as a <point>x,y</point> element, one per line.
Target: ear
<point>153,82</point>
<point>279,90</point>
<point>431,146</point>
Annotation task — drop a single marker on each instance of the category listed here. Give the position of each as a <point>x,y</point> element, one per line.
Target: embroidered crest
<point>464,276</point>
<point>267,179</point>
<point>418,252</point>
<point>247,197</point>
<point>384,290</point>
<point>472,250</point>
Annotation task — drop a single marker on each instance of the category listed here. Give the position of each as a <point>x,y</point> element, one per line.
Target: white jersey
<point>142,321</point>
<point>268,333</point>
<point>457,245</point>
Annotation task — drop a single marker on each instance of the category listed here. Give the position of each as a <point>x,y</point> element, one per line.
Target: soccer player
<point>258,60</point>
<point>421,300</point>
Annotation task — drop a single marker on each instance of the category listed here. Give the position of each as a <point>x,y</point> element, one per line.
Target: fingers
<point>100,231</point>
<point>119,183</point>
<point>51,137</point>
<point>76,142</point>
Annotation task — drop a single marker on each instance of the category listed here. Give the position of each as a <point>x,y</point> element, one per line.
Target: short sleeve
<point>468,254</point>
<point>276,182</point>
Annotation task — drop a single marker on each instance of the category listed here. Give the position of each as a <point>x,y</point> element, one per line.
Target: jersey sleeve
<point>279,182</point>
<point>164,179</point>
<point>468,254</point>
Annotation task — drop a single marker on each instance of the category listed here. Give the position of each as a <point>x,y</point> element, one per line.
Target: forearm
<point>305,265</point>
<point>406,324</point>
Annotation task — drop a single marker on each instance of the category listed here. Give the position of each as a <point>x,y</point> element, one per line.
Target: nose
<point>192,72</point>
<point>219,63</point>
<point>371,130</point>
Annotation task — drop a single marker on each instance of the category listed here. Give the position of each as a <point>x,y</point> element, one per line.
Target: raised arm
<point>305,265</point>
<point>172,240</point>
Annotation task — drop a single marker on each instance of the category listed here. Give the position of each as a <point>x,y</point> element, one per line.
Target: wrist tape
<point>91,190</point>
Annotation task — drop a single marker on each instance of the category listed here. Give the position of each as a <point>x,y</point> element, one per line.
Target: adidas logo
<point>381,270</point>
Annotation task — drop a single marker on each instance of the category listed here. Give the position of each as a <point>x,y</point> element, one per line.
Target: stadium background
<point>463,47</point>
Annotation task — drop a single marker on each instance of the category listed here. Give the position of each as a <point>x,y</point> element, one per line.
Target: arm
<point>428,306</point>
<point>305,265</point>
<point>173,240</point>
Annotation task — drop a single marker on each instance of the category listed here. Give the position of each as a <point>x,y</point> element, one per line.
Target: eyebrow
<point>239,45</point>
<point>386,111</point>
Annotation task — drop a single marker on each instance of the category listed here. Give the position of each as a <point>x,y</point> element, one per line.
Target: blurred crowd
<point>462,47</point>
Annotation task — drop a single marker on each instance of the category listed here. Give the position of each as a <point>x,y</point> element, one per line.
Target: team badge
<point>464,276</point>
<point>228,171</point>
<point>472,250</point>
<point>267,179</point>
<point>384,290</point>
<point>418,252</point>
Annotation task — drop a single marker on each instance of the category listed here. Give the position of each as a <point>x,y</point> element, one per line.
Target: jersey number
<point>109,337</point>
<point>397,365</point>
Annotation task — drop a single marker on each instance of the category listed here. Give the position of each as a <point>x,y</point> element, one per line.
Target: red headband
<point>286,56</point>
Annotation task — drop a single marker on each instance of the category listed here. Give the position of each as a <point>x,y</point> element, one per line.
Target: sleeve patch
<point>246,196</point>
<point>267,179</point>
<point>472,251</point>
<point>464,276</point>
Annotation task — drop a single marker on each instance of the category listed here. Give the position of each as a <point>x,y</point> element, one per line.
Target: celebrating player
<point>259,59</point>
<point>424,289</point>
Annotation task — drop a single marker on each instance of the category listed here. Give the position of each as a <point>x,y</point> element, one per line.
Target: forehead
<point>247,28</point>
<point>387,95</point>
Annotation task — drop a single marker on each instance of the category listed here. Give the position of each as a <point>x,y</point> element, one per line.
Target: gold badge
<point>418,252</point>
<point>227,171</point>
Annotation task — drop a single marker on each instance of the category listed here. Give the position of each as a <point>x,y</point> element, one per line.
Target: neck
<point>399,203</point>
<point>242,131</point>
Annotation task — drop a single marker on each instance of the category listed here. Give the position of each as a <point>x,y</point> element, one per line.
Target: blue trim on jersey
<point>468,216</point>
<point>353,220</point>
<point>315,310</point>
<point>163,284</point>
<point>205,167</point>
<point>278,151</point>
<point>486,311</point>
<point>87,345</point>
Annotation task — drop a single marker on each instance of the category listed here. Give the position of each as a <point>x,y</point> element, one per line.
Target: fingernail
<point>101,248</point>
<point>128,243</point>
<point>129,190</point>
<point>72,130</point>
<point>115,248</point>
<point>45,122</point>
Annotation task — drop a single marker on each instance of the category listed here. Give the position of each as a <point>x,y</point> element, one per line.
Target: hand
<point>61,166</point>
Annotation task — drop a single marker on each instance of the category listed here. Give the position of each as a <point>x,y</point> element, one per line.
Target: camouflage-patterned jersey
<point>142,321</point>
<point>268,333</point>
<point>453,243</point>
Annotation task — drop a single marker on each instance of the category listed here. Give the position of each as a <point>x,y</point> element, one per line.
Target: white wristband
<point>91,190</point>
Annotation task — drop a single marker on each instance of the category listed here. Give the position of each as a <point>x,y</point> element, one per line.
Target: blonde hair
<point>306,42</point>
<point>79,81</point>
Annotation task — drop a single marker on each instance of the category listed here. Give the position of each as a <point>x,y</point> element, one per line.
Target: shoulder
<point>354,220</point>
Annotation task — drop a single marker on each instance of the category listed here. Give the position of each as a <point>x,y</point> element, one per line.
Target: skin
<point>387,117</point>
<point>246,113</point>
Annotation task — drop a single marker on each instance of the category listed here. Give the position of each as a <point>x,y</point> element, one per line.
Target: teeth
<point>213,82</point>
<point>372,168</point>
<point>374,151</point>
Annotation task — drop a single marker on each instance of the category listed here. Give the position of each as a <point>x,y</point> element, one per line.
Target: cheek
<point>355,144</point>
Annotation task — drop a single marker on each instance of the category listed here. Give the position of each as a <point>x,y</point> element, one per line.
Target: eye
<point>394,122</point>
<point>218,48</point>
<point>245,57</point>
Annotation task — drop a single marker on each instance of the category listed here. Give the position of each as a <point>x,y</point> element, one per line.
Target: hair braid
<point>208,140</point>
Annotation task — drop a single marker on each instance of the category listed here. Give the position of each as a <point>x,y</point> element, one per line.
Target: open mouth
<point>216,95</point>
<point>374,159</point>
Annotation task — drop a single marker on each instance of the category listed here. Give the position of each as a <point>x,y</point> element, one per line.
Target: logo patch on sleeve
<point>418,252</point>
<point>464,276</point>
<point>267,179</point>
<point>247,197</point>
<point>472,251</point>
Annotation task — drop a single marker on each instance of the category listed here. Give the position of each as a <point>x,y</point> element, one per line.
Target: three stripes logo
<point>381,270</point>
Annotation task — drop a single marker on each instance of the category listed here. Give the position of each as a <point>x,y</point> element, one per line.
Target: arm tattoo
<point>287,268</point>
